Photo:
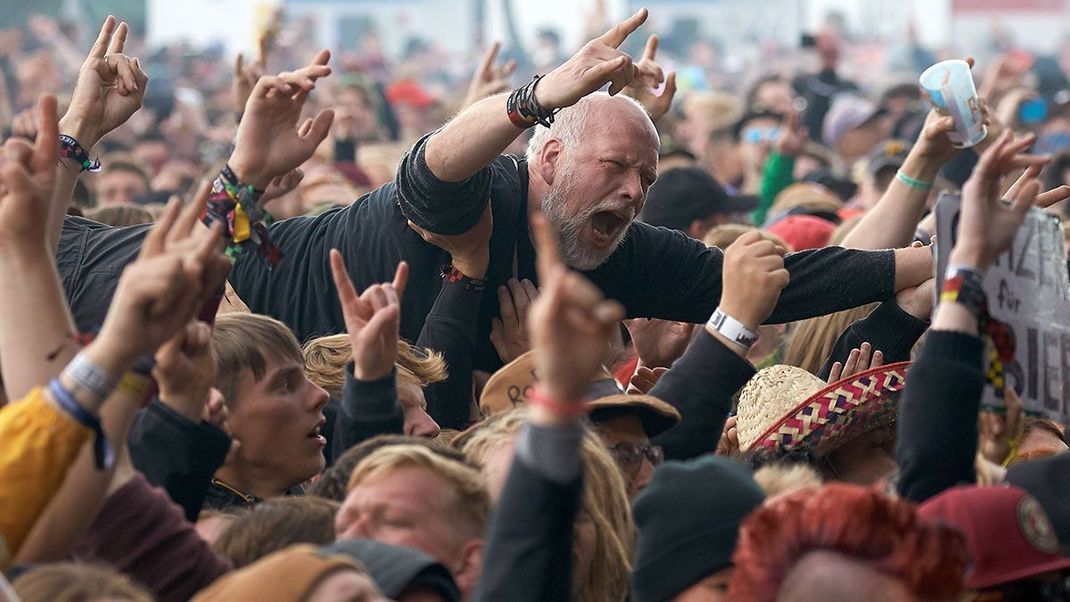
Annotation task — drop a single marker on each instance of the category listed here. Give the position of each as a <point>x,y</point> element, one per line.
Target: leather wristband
<point>732,329</point>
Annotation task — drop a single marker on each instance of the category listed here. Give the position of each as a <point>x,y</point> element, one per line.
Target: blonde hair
<point>779,479</point>
<point>469,506</point>
<point>605,501</point>
<point>74,582</point>
<point>326,359</point>
<point>812,340</point>
<point>724,235</point>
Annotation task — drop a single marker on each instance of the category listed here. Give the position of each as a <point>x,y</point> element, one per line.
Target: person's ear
<point>469,566</point>
<point>548,160</point>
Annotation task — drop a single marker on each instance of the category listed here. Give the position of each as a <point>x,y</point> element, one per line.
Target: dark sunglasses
<point>630,456</point>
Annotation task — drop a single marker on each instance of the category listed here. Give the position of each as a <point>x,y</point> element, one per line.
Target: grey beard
<point>567,230</point>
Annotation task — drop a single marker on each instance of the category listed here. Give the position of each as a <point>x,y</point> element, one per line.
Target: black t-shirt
<point>655,273</point>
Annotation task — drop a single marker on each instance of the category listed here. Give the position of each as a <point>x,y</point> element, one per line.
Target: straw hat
<point>806,196</point>
<point>655,415</point>
<point>511,386</point>
<point>784,407</point>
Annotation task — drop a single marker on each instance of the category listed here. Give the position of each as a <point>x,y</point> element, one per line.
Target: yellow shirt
<point>38,444</point>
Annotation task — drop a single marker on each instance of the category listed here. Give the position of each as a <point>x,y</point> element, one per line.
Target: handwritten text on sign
<point>1027,287</point>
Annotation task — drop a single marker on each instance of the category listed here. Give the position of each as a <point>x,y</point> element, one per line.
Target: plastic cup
<point>951,90</point>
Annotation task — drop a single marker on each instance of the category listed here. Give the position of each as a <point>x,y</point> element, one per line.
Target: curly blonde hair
<point>326,359</point>
<point>605,501</point>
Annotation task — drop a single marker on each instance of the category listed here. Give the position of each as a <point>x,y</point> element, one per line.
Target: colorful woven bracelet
<point>237,207</point>
<point>70,149</point>
<point>913,182</point>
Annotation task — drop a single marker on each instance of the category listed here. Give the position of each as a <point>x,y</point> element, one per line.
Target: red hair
<point>854,521</point>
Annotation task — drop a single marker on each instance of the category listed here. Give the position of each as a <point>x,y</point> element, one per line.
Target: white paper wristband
<point>732,329</point>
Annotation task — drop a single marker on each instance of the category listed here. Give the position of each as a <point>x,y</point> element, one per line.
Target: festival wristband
<point>103,453</point>
<point>237,207</point>
<point>965,286</point>
<point>89,376</point>
<point>913,182</point>
<point>732,329</point>
<point>69,148</point>
<point>452,274</point>
<point>558,408</point>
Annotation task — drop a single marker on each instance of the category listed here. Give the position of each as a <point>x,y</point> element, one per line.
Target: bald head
<point>572,124</point>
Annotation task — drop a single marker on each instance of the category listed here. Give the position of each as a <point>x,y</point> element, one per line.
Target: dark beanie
<point>396,568</point>
<point>1045,479</point>
<point>688,519</point>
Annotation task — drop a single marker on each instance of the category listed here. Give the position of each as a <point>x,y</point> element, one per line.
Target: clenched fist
<point>753,277</point>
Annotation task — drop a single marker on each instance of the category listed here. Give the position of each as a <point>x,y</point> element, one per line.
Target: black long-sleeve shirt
<point>655,273</point>
<point>700,385</point>
<point>887,328</point>
<point>177,454</point>
<point>937,434</point>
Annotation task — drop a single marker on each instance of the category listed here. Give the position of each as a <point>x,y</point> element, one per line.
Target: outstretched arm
<point>111,87</point>
<point>483,131</point>
<point>937,431</point>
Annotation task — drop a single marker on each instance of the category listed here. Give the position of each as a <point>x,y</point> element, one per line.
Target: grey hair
<point>568,125</point>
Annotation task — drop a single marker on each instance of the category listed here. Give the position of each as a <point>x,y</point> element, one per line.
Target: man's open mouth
<point>607,225</point>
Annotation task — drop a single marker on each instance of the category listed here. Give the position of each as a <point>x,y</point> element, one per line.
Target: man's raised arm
<point>475,137</point>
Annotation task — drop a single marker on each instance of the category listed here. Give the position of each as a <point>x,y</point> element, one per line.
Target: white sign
<point>1028,289</point>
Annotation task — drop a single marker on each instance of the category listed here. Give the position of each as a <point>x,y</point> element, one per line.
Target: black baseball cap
<point>684,194</point>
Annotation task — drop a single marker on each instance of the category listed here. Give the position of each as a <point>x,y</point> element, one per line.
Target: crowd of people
<point>352,330</point>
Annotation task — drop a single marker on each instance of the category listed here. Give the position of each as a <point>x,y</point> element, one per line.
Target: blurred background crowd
<point>403,67</point>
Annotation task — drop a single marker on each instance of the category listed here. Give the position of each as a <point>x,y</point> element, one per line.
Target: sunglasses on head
<point>755,135</point>
<point>630,456</point>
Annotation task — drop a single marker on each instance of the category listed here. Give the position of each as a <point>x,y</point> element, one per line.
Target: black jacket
<point>936,442</point>
<point>177,454</point>
<point>700,385</point>
<point>528,554</point>
<point>888,328</point>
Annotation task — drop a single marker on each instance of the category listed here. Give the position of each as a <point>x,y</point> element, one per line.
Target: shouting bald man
<point>588,173</point>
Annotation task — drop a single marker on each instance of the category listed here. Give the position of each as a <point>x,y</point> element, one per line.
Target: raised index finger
<point>490,56</point>
<point>546,251</point>
<point>619,32</point>
<point>45,148</point>
<point>100,46</point>
<point>401,278</point>
<point>651,49</point>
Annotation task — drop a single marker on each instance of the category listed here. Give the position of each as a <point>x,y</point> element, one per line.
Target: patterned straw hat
<point>784,407</point>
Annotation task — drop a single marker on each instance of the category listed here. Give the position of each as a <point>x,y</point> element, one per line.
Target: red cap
<point>409,91</point>
<point>1007,532</point>
<point>803,232</point>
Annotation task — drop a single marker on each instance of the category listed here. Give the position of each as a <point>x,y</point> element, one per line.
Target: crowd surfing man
<point>588,172</point>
